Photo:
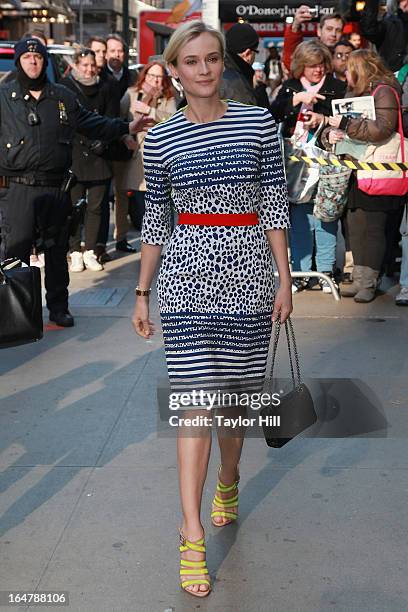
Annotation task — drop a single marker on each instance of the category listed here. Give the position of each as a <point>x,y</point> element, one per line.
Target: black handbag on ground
<point>295,412</point>
<point>20,304</point>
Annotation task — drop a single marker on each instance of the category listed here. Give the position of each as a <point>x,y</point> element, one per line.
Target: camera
<point>33,118</point>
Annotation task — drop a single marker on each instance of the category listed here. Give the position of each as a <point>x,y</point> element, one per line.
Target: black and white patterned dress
<point>216,284</point>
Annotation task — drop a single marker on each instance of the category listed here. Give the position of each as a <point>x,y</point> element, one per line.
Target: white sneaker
<point>402,298</point>
<point>77,262</point>
<point>324,285</point>
<point>91,262</point>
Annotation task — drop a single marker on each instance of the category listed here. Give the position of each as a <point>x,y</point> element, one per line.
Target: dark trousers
<point>103,233</point>
<point>367,237</point>
<point>345,230</point>
<point>24,209</point>
<point>96,193</point>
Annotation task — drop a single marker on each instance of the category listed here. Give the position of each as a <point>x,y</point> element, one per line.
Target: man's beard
<point>115,64</point>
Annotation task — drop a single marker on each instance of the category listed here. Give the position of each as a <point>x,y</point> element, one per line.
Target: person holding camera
<point>152,95</point>
<point>90,168</point>
<point>329,31</point>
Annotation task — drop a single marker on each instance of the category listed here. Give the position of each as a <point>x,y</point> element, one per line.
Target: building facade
<point>101,17</point>
<point>54,17</point>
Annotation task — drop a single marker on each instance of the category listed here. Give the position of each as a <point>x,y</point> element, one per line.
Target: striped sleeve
<point>273,209</point>
<point>156,227</point>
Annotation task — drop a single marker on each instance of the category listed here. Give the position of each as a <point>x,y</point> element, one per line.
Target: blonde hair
<point>367,68</point>
<point>187,32</point>
<point>310,53</point>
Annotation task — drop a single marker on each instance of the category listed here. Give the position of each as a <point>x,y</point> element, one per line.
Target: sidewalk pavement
<point>89,499</point>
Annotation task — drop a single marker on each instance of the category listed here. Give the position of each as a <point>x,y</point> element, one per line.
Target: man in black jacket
<point>390,35</point>
<point>37,126</point>
<point>115,66</point>
<point>122,78</point>
<point>238,78</point>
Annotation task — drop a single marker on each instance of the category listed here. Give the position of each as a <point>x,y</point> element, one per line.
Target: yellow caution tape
<point>353,165</point>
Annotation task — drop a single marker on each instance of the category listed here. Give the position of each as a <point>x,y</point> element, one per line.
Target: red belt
<point>218,219</point>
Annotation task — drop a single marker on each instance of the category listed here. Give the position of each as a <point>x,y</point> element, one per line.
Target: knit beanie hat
<point>240,37</point>
<point>30,45</point>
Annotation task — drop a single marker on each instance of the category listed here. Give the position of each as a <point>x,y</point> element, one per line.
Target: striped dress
<point>216,284</point>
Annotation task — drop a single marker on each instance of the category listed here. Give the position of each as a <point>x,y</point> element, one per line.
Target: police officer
<point>38,121</point>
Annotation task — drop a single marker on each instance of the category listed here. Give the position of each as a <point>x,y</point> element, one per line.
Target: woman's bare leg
<point>230,443</point>
<point>193,454</point>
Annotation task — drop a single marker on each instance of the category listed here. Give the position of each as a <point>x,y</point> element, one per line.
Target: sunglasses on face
<point>339,55</point>
<point>86,53</point>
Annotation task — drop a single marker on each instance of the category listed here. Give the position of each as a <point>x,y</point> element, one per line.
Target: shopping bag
<point>332,192</point>
<point>302,177</point>
<point>386,182</point>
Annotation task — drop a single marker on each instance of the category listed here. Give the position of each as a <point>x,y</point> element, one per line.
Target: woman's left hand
<point>283,304</point>
<point>314,120</point>
<point>335,136</point>
<point>140,107</point>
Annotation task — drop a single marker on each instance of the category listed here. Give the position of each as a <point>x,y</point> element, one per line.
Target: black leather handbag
<point>295,411</point>
<point>20,304</point>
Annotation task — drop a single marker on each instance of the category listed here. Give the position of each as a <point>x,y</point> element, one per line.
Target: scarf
<point>304,134</point>
<point>87,81</point>
<point>28,84</point>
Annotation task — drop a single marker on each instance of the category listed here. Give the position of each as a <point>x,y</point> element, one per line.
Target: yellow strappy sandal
<point>192,568</point>
<point>225,504</point>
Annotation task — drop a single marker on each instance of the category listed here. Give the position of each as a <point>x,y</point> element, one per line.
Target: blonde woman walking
<point>219,161</point>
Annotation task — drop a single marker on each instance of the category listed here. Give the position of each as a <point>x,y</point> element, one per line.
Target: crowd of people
<point>310,74</point>
<point>297,88</point>
<point>44,129</point>
<point>313,73</point>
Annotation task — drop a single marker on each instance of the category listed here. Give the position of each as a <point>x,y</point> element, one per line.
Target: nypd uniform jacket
<point>43,150</point>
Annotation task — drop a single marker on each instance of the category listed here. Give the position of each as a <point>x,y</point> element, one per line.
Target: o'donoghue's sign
<point>268,10</point>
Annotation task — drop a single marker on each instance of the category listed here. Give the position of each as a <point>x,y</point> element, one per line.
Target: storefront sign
<point>267,10</point>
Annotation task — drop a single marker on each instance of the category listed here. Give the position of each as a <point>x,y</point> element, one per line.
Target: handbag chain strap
<point>291,342</point>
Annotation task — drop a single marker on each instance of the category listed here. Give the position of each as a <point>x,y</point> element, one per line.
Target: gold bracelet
<point>142,291</point>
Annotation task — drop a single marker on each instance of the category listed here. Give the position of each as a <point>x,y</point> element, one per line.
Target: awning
<point>160,28</point>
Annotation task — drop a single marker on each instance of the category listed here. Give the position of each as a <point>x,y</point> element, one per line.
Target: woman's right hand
<point>142,325</point>
<point>130,142</point>
<point>307,97</point>
<point>335,136</point>
<point>151,91</point>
